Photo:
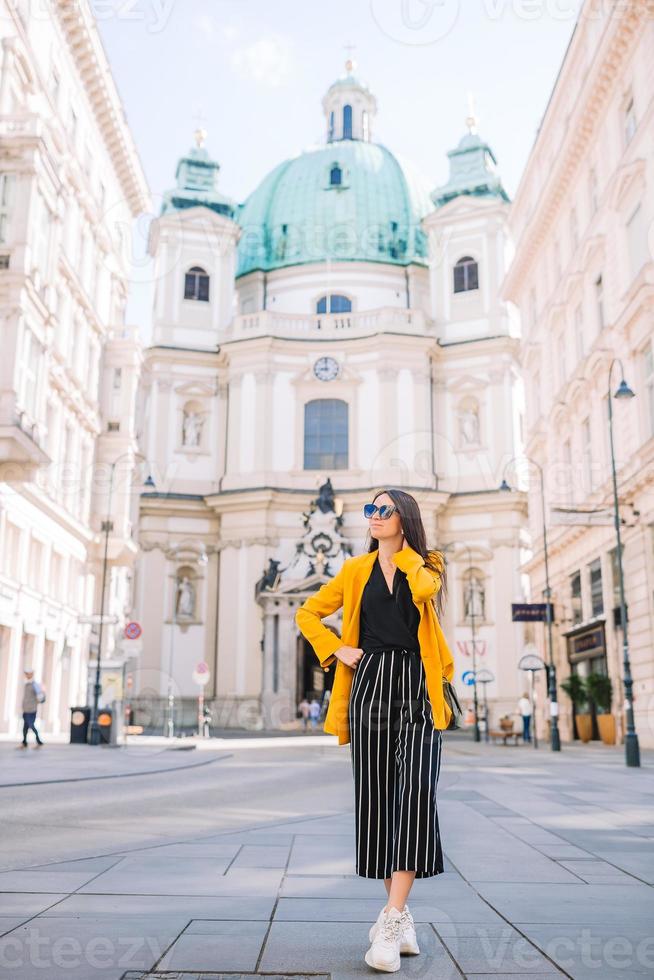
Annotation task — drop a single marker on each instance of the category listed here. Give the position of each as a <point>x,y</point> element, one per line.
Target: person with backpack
<point>33,696</point>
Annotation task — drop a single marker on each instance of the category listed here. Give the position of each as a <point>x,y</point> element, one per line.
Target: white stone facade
<point>70,185</point>
<point>434,405</point>
<point>583,280</point>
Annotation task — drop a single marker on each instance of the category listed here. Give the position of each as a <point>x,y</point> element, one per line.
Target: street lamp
<point>632,751</point>
<point>477,736</point>
<point>202,559</point>
<point>107,526</point>
<point>555,738</point>
<point>485,677</point>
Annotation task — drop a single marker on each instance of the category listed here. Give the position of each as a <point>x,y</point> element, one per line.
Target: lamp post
<point>632,751</point>
<point>555,738</point>
<point>473,629</point>
<point>202,559</point>
<point>485,677</point>
<point>107,528</point>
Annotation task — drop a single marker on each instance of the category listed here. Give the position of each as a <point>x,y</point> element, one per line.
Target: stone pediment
<point>468,382</point>
<point>196,388</point>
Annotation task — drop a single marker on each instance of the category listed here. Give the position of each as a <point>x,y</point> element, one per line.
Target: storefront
<point>587,654</point>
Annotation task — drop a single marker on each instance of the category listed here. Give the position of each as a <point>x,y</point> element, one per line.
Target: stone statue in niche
<point>192,428</point>
<point>185,598</point>
<point>474,598</point>
<point>469,425</point>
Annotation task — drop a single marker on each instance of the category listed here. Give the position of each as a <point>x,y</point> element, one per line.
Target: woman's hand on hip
<point>349,655</point>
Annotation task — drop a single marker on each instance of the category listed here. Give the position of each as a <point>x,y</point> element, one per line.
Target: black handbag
<point>450,696</point>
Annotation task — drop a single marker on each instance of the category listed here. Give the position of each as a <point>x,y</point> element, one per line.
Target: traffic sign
<point>133,631</point>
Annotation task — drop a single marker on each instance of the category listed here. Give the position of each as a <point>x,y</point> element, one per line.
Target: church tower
<point>479,405</point>
<point>349,107</point>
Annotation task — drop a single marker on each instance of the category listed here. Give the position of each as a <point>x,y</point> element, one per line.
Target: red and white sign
<point>133,631</point>
<point>201,674</point>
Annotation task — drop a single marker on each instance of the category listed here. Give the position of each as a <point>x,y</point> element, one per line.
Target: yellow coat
<point>345,590</point>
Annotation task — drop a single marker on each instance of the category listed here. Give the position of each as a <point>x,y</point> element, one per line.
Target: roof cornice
<point>596,89</point>
<point>82,35</point>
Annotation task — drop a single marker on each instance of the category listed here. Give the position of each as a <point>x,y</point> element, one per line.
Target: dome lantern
<point>349,107</point>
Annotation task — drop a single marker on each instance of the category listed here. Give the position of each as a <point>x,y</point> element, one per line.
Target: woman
<point>387,702</point>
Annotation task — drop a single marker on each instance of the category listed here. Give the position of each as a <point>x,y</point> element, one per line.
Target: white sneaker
<point>384,953</point>
<point>408,938</point>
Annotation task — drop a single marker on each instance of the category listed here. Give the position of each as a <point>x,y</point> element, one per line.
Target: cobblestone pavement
<point>237,861</point>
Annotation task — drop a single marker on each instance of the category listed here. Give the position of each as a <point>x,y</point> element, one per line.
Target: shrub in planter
<point>600,690</point>
<point>575,687</point>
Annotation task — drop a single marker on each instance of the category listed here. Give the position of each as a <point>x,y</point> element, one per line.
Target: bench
<point>505,734</point>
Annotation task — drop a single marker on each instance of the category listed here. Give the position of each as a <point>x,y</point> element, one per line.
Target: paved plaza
<point>236,859</point>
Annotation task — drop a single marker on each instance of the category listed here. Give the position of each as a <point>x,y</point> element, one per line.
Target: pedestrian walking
<point>33,696</point>
<point>314,714</point>
<point>387,702</point>
<point>304,708</point>
<point>524,709</point>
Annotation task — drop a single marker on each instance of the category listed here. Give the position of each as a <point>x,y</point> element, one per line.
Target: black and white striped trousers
<point>396,756</point>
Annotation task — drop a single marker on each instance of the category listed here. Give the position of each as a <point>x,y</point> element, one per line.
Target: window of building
<point>648,358</point>
<point>30,373</point>
<point>579,331</point>
<point>596,595</point>
<point>330,134</point>
<point>196,284</point>
<point>575,598</point>
<point>6,194</point>
<point>335,303</point>
<point>568,475</point>
<point>466,275</point>
<point>636,229</point>
<point>326,434</point>
<point>563,368</point>
<point>587,454</point>
<point>599,303</point>
<point>574,230</point>
<point>347,122</point>
<point>592,190</point>
<point>335,176</point>
<point>629,121</point>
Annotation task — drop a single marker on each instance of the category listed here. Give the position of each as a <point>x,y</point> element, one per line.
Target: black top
<point>388,620</point>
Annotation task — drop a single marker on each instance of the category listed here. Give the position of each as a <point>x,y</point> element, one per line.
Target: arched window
<point>347,122</point>
<point>335,176</point>
<point>325,434</point>
<point>334,304</point>
<point>196,284</point>
<point>330,134</point>
<point>466,275</point>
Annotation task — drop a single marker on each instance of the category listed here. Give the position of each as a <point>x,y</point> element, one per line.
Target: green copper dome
<point>350,200</point>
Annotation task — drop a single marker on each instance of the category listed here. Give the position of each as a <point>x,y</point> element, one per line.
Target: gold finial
<point>471,119</point>
<point>200,136</point>
<point>350,63</point>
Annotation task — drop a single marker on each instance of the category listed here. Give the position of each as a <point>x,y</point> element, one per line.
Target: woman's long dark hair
<point>414,532</point>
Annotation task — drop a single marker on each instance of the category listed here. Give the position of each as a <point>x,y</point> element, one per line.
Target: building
<point>583,279</point>
<point>70,185</point>
<point>339,331</point>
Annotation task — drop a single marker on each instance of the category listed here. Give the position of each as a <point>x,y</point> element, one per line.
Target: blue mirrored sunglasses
<point>385,511</point>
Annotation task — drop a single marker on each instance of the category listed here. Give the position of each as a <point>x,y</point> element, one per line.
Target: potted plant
<point>600,691</point>
<point>575,687</point>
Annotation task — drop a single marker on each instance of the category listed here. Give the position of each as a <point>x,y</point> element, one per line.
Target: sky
<point>253,74</point>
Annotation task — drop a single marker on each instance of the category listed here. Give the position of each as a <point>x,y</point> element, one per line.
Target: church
<point>339,332</point>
